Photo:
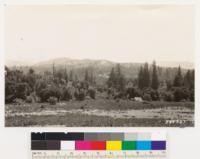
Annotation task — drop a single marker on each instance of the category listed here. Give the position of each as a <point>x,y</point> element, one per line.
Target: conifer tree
<point>178,80</point>
<point>140,78</point>
<point>71,75</point>
<point>192,74</point>
<point>66,75</point>
<point>187,79</point>
<point>54,70</point>
<point>116,78</point>
<point>146,76</point>
<point>155,82</point>
<point>76,77</point>
<point>111,78</point>
<point>86,76</point>
<point>120,80</point>
<point>91,79</point>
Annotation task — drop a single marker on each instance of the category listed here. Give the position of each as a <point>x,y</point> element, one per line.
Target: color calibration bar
<point>98,141</point>
<point>98,145</point>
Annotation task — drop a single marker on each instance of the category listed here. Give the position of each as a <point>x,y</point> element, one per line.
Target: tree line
<point>50,87</point>
<point>148,86</point>
<point>61,85</point>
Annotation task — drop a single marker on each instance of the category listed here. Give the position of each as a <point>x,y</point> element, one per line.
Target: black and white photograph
<point>100,65</point>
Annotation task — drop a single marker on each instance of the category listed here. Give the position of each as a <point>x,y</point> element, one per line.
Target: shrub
<point>39,86</point>
<point>178,95</point>
<point>79,94</point>
<point>181,94</point>
<point>76,94</point>
<point>10,93</point>
<point>29,99</point>
<point>66,94</point>
<point>23,90</point>
<point>99,89</point>
<point>52,100</point>
<point>192,95</point>
<point>147,97</point>
<point>130,92</point>
<point>48,92</point>
<point>168,96</point>
<point>154,95</point>
<point>119,95</point>
<point>92,93</point>
<point>138,93</point>
<point>15,90</point>
<point>19,101</point>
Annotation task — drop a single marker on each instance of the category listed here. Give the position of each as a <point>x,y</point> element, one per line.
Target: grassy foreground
<point>101,112</point>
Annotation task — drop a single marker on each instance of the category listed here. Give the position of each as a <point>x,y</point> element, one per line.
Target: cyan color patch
<point>143,145</point>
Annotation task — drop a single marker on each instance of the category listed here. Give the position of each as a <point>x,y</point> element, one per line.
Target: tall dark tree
<point>53,70</point>
<point>31,71</point>
<point>188,79</point>
<point>31,78</point>
<point>111,79</point>
<point>121,83</point>
<point>76,77</point>
<point>192,79</point>
<point>146,75</point>
<point>86,76</point>
<point>40,85</point>
<point>120,80</point>
<point>141,78</point>
<point>154,82</point>
<point>59,75</point>
<point>178,80</point>
<point>66,75</point>
<point>71,75</point>
<point>91,78</point>
<point>116,78</point>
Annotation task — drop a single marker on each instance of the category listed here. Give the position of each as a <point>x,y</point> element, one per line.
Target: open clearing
<point>101,112</point>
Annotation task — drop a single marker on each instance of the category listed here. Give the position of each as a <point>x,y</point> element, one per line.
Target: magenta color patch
<point>82,145</point>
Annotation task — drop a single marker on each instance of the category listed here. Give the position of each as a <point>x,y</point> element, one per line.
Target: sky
<point>120,33</point>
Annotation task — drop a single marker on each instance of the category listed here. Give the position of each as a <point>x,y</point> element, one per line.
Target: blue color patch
<point>143,145</point>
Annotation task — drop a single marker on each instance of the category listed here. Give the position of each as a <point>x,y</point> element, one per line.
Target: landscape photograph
<point>81,65</point>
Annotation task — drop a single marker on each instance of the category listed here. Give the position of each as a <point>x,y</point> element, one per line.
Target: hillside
<point>100,68</point>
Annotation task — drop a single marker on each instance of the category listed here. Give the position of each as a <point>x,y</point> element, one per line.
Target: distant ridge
<point>17,63</point>
<point>64,61</point>
<point>184,64</point>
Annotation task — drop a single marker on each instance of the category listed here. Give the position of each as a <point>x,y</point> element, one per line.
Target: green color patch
<point>129,145</point>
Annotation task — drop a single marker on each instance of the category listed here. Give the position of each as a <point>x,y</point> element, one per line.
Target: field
<point>101,112</point>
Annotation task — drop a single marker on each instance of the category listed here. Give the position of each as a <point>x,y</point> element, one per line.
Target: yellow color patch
<point>113,145</point>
